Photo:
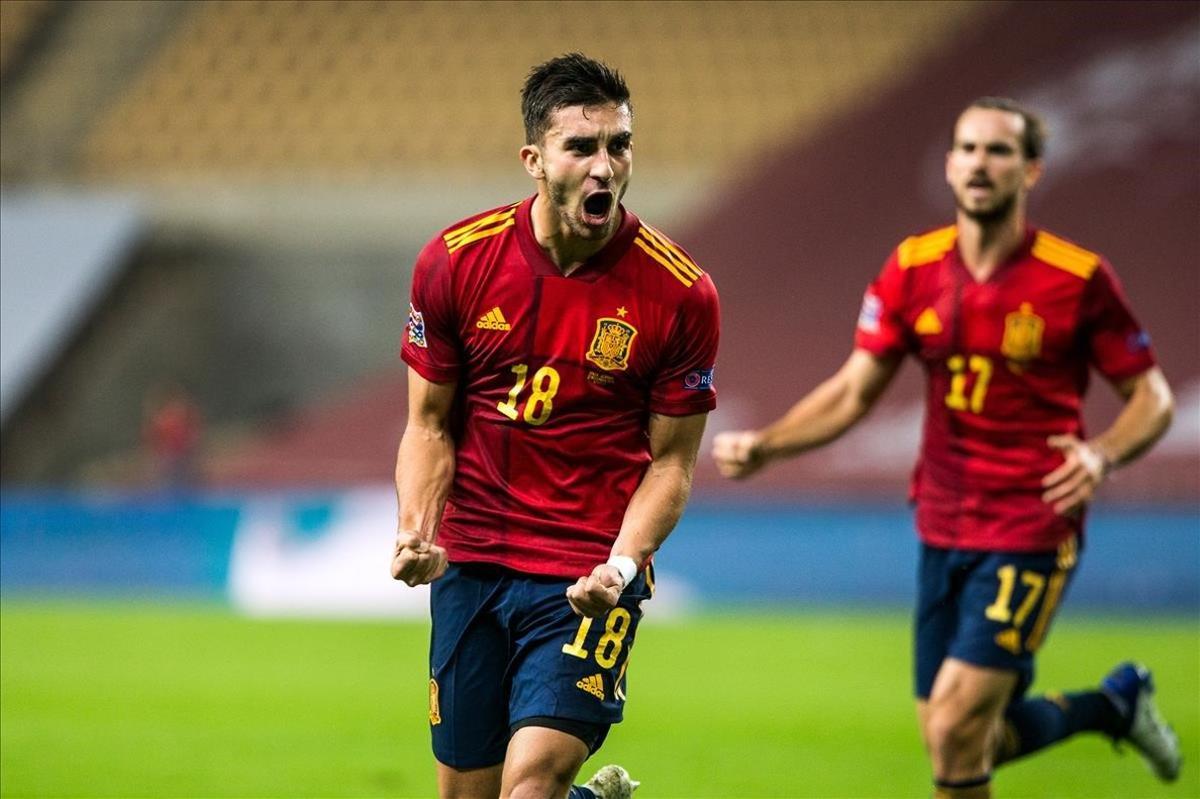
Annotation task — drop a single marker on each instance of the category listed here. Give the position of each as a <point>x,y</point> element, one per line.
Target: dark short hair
<point>1033,140</point>
<point>571,79</point>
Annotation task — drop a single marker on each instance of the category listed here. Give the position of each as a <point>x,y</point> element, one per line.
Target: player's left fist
<point>1071,486</point>
<point>596,594</point>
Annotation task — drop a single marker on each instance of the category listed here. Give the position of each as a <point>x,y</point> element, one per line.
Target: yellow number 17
<point>959,365</point>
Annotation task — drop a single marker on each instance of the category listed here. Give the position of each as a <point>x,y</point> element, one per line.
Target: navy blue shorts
<point>990,609</point>
<point>506,647</point>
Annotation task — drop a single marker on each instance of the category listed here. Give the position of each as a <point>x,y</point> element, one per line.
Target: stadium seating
<point>19,20</point>
<point>256,90</point>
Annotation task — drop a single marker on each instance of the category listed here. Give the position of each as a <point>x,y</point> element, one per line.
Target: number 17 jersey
<point>556,379</point>
<point>1007,362</point>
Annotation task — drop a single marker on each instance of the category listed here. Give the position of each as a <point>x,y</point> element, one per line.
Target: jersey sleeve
<point>431,343</point>
<point>684,384</point>
<point>880,330</point>
<point>1118,346</point>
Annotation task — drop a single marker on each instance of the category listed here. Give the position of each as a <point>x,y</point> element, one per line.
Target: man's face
<point>986,166</point>
<point>586,158</point>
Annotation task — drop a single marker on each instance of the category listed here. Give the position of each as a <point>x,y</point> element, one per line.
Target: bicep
<point>429,403</point>
<point>866,375</point>
<point>676,439</point>
<point>1151,382</point>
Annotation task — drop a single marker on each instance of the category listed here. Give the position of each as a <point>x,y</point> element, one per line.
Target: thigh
<point>1008,603</point>
<point>573,668</point>
<point>542,761</point>
<point>940,577</point>
<point>468,658</point>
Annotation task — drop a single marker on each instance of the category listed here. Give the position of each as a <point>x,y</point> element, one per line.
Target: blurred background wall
<point>210,211</point>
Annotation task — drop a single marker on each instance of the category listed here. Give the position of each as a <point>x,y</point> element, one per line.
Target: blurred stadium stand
<point>289,158</point>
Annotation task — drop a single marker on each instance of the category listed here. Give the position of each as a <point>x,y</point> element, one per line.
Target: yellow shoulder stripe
<point>481,228</point>
<point>927,248</point>
<point>663,250</point>
<point>1064,255</point>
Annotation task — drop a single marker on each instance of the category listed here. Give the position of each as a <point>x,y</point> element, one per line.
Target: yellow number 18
<point>541,398</point>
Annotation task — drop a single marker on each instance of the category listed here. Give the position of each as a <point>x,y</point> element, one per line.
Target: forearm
<point>654,510</point>
<point>1144,419</point>
<point>824,414</point>
<point>830,409</point>
<point>424,474</point>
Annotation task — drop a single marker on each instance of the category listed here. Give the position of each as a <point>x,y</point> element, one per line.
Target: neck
<point>983,246</point>
<point>565,249</point>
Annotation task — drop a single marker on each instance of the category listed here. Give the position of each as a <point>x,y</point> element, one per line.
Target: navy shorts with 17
<point>990,609</point>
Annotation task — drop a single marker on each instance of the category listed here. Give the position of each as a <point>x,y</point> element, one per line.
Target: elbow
<point>1165,401</point>
<point>1167,410</point>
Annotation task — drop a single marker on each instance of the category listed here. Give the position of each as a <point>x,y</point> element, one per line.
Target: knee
<point>956,733</point>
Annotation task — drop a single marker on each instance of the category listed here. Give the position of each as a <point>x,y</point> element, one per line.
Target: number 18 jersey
<point>556,378</point>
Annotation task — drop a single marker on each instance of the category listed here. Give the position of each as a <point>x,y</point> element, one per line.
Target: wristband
<point>627,566</point>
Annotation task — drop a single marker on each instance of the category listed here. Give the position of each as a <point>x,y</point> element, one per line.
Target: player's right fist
<point>415,560</point>
<point>738,453</point>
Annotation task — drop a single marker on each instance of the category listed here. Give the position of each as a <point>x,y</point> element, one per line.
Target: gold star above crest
<point>622,312</point>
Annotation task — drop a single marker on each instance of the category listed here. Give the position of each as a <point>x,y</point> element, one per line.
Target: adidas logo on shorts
<point>594,685</point>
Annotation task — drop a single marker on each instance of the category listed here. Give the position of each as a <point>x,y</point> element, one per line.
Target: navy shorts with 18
<point>506,647</point>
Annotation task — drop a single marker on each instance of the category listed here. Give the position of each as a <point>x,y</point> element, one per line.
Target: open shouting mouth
<point>597,206</point>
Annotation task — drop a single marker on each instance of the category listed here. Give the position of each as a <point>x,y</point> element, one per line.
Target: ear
<point>531,159</point>
<point>1033,173</point>
<point>949,155</point>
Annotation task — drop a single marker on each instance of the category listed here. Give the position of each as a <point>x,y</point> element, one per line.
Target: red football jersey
<point>1007,361</point>
<point>556,379</point>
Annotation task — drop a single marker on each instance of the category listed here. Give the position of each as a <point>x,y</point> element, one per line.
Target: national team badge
<point>612,343</point>
<point>416,328</point>
<point>1022,334</point>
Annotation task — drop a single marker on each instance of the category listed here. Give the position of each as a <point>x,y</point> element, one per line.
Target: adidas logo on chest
<point>493,320</point>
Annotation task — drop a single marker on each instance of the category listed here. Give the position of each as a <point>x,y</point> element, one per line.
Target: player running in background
<point>561,357</point>
<point>1006,320</point>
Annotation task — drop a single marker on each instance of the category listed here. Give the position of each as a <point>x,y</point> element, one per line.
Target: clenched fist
<point>415,560</point>
<point>597,593</point>
<point>738,453</point>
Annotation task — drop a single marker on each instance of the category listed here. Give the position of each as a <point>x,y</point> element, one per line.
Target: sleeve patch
<point>1138,342</point>
<point>699,380</point>
<point>416,328</point>
<point>869,315</point>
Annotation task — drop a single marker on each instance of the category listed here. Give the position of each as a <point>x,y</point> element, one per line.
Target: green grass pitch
<point>129,700</point>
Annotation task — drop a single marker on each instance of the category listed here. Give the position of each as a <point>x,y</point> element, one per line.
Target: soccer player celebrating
<point>560,358</point>
<point>1006,320</point>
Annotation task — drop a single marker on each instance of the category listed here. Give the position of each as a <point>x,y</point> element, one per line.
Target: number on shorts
<point>1001,610</point>
<point>609,647</point>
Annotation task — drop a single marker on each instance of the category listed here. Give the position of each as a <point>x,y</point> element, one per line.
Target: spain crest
<point>612,344</point>
<point>1022,334</point>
